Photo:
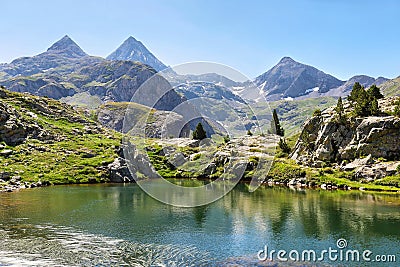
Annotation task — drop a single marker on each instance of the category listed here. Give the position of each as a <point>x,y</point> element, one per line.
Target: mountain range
<point>288,79</point>
<point>66,72</point>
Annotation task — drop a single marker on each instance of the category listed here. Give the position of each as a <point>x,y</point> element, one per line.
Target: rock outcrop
<point>353,143</point>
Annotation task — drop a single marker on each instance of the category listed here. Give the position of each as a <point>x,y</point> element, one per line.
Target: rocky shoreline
<point>15,184</point>
<point>10,183</point>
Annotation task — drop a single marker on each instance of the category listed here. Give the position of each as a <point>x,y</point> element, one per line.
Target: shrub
<point>389,181</point>
<point>227,139</point>
<point>397,109</point>
<point>317,113</point>
<point>284,146</point>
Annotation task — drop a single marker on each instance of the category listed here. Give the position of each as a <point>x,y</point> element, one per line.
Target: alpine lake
<point>120,225</point>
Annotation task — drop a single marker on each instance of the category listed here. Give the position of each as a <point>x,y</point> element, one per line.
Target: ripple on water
<point>49,245</point>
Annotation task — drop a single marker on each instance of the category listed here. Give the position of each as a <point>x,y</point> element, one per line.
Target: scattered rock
<point>5,176</point>
<point>87,155</point>
<point>358,163</point>
<point>6,152</point>
<point>368,173</point>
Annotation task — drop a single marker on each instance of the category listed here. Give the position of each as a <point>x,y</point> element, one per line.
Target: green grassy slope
<point>391,88</point>
<point>76,150</point>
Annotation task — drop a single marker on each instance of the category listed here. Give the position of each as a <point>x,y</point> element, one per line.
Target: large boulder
<point>119,171</point>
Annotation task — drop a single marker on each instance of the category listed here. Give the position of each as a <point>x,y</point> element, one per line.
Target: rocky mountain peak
<point>132,40</point>
<point>132,49</point>
<point>293,79</point>
<point>67,46</point>
<point>286,60</point>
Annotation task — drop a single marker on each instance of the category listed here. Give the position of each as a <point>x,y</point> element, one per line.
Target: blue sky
<point>340,37</point>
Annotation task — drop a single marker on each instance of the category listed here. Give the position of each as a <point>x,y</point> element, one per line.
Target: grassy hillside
<point>293,114</point>
<point>391,88</point>
<point>66,147</point>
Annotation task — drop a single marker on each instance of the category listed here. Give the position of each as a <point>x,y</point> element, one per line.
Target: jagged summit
<point>67,46</point>
<point>287,60</point>
<point>131,40</point>
<point>132,49</point>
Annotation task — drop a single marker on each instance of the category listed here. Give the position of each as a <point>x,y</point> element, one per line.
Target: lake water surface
<point>120,225</point>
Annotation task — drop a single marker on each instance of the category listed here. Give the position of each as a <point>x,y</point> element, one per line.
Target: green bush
<point>197,156</point>
<point>397,109</point>
<point>317,113</point>
<point>227,139</point>
<point>283,171</point>
<point>389,181</point>
<point>284,146</point>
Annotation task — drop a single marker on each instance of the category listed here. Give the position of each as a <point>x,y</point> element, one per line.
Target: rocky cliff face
<point>353,144</point>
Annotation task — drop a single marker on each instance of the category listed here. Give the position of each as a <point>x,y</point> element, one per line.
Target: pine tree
<point>374,107</point>
<point>360,100</point>
<point>365,103</point>
<point>362,104</point>
<point>275,124</point>
<point>199,133</point>
<point>339,108</point>
<point>375,92</point>
<point>355,92</point>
